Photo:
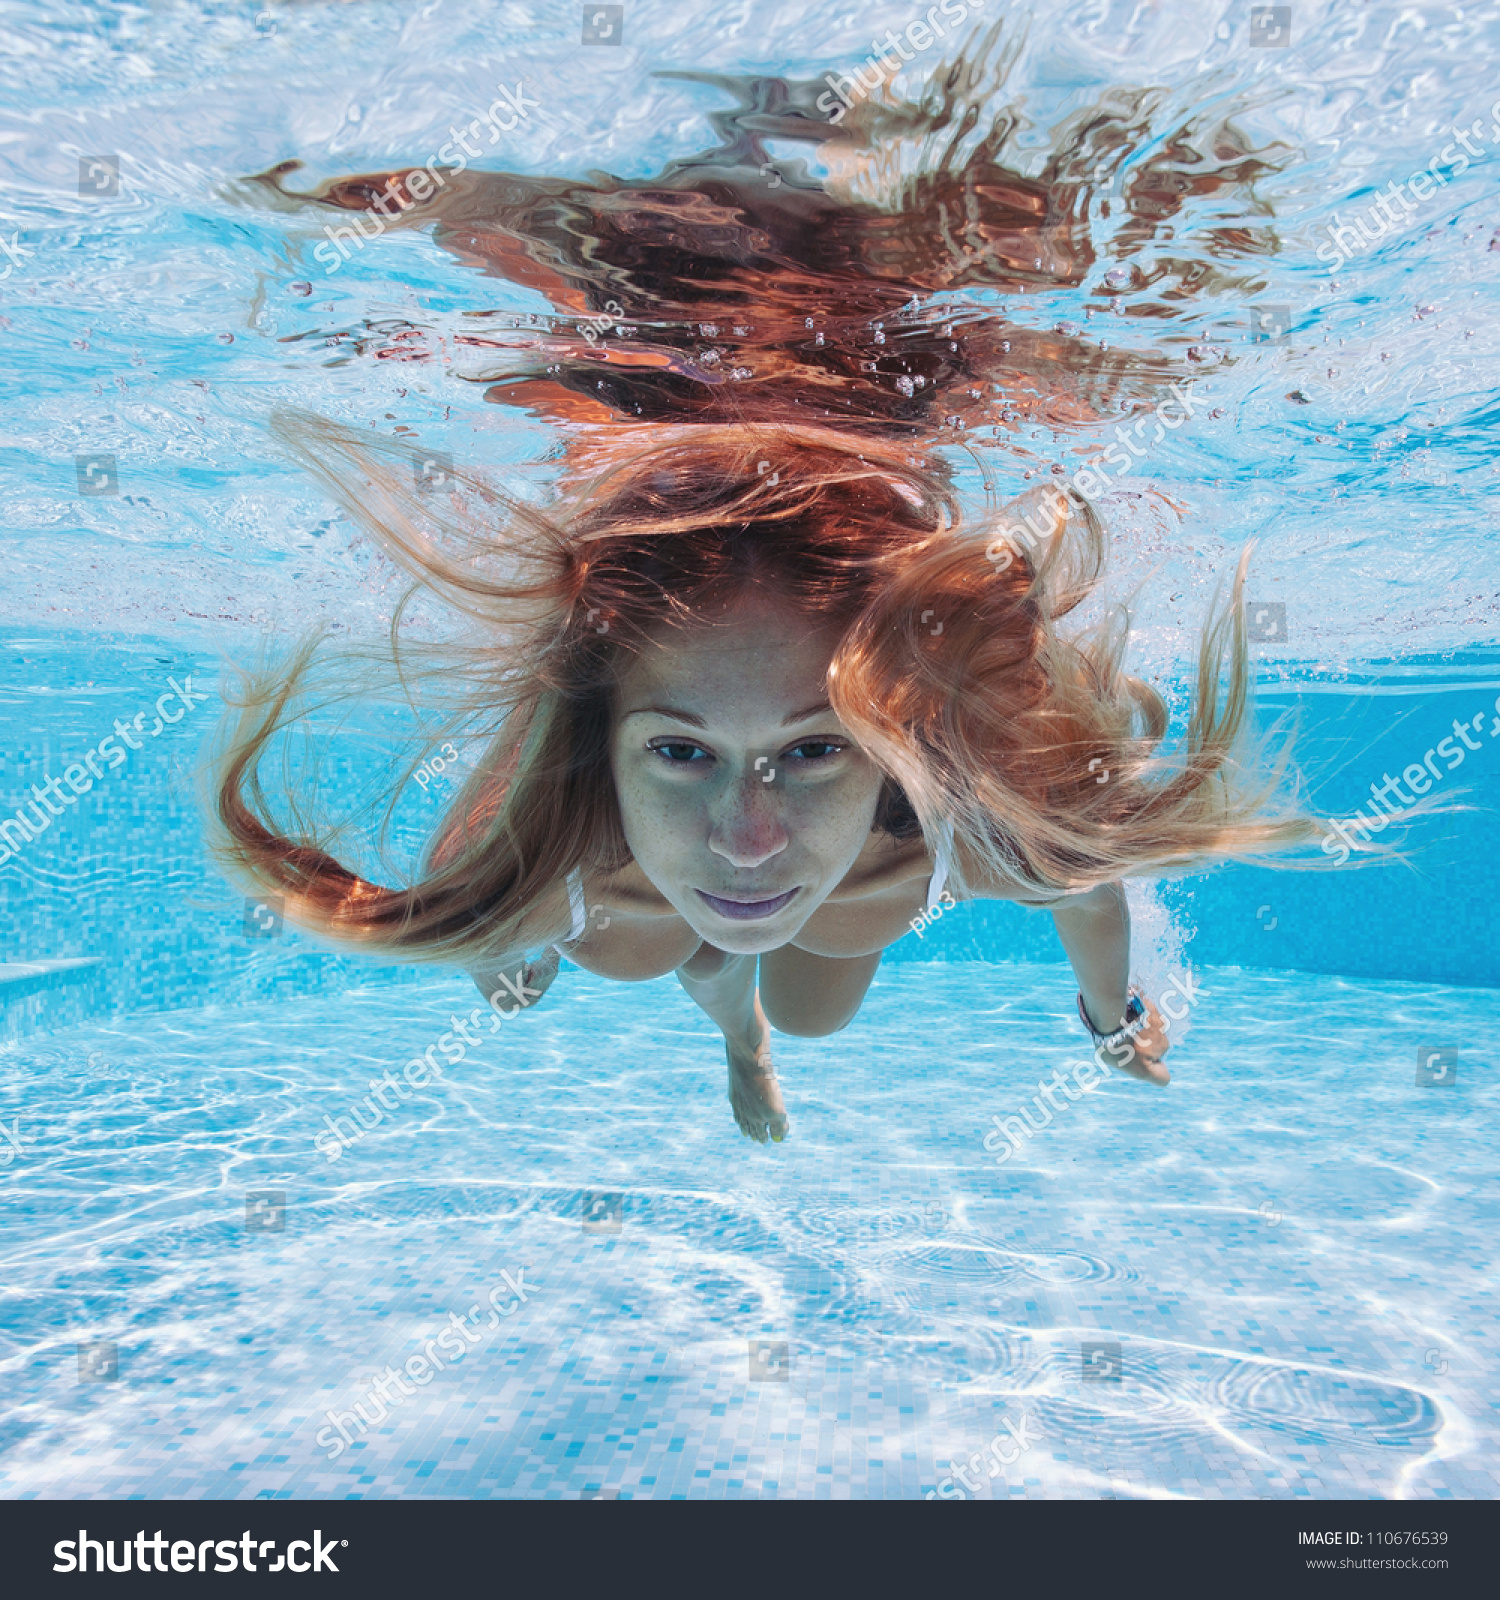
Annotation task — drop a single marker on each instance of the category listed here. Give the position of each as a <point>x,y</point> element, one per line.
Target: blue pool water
<point>1290,1248</point>
<point>1273,1279</point>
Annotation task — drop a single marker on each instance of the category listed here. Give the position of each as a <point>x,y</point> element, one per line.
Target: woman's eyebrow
<point>668,711</point>
<point>812,711</point>
<point>694,721</point>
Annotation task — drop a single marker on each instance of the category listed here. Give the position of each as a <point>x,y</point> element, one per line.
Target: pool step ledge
<point>40,996</point>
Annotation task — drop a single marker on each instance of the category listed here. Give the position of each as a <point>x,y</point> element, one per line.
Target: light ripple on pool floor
<point>1291,1247</point>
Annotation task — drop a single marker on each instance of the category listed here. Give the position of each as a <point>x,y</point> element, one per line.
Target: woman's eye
<point>815,750</point>
<point>678,753</point>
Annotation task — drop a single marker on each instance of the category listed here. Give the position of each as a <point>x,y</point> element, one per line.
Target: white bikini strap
<point>580,916</point>
<point>575,900</point>
<point>939,876</point>
<point>942,863</point>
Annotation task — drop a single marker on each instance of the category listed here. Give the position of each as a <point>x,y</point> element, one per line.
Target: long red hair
<point>991,726</point>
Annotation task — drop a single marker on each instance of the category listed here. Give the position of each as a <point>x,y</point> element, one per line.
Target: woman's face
<point>743,797</point>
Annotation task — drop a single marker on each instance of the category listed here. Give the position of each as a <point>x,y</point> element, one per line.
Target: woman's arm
<point>1095,931</point>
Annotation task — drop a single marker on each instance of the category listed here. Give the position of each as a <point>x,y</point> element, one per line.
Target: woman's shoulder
<point>628,891</point>
<point>630,930</point>
<point>885,864</point>
<point>982,881</point>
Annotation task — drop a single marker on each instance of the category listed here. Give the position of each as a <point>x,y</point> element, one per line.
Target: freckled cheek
<point>662,821</point>
<point>832,821</point>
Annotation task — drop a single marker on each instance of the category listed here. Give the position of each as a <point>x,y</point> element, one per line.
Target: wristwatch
<point>1134,1023</point>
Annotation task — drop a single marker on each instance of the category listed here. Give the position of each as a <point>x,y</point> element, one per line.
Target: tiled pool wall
<point>116,907</point>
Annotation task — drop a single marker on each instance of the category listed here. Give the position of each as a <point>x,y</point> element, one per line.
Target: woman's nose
<point>747,828</point>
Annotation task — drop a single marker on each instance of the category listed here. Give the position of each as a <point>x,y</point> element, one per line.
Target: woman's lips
<point>745,910</point>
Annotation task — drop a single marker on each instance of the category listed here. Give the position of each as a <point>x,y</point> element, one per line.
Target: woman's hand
<point>1095,931</point>
<point>1140,1057</point>
<point>521,983</point>
<point>540,973</point>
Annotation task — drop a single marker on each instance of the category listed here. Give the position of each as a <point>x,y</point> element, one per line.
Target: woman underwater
<point>753,694</point>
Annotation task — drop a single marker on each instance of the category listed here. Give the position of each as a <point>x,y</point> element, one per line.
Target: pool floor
<point>1273,1279</point>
